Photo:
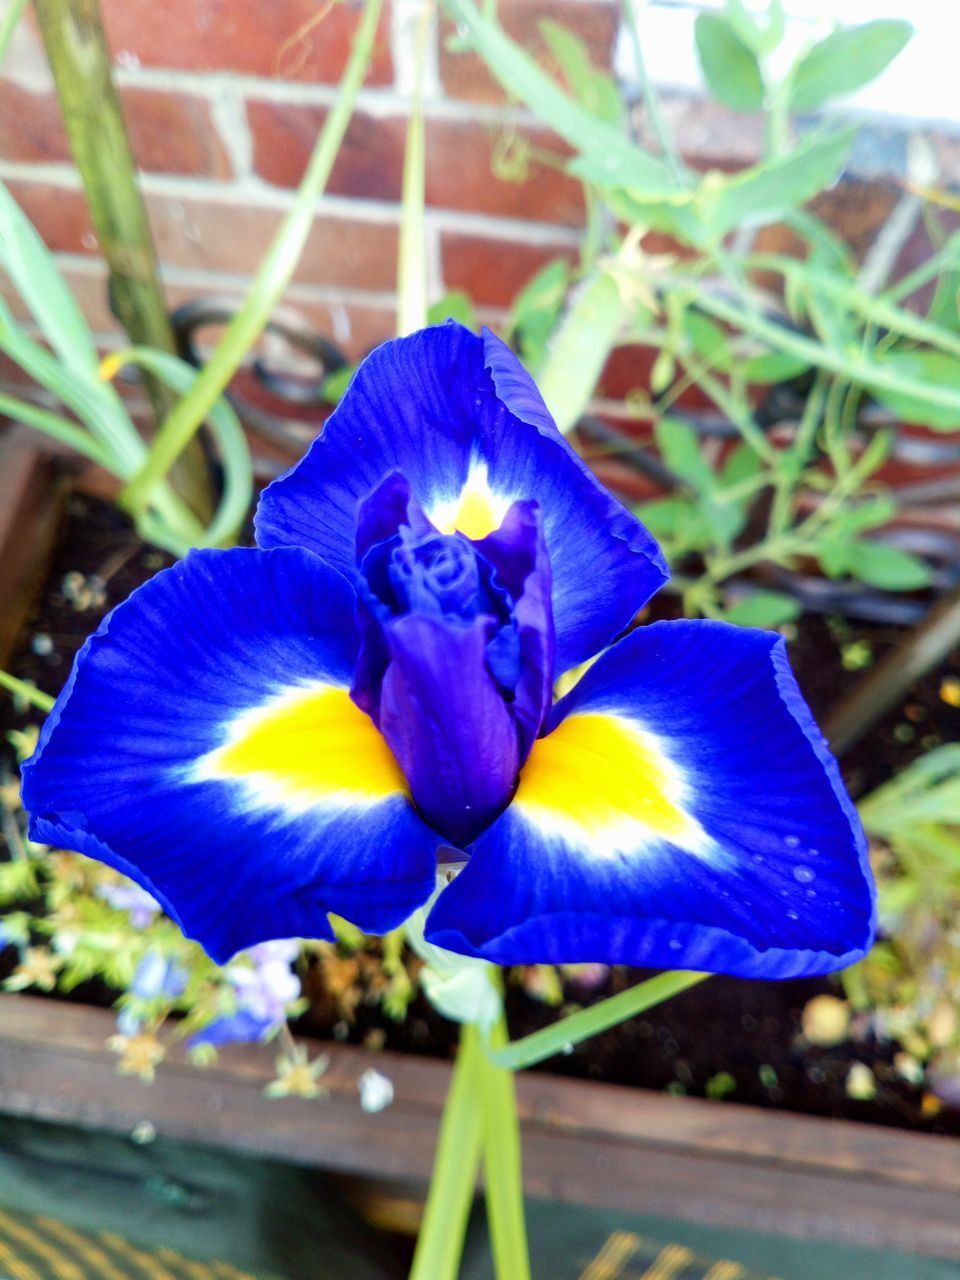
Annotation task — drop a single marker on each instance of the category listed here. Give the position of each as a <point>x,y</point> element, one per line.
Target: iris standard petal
<point>685,812</point>
<point>460,418</point>
<point>447,722</point>
<point>206,746</point>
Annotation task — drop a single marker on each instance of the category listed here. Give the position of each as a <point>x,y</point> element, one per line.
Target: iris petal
<point>206,746</point>
<point>686,813</point>
<point>460,418</point>
<point>447,722</point>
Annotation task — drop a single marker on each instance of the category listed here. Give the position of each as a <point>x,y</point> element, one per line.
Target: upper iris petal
<point>456,653</point>
<point>461,420</point>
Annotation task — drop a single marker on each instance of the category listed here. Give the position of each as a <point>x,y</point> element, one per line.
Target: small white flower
<point>376,1091</point>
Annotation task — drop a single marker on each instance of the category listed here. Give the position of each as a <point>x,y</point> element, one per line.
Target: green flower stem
<point>268,286</point>
<point>20,689</point>
<point>412,265</point>
<point>452,1186</point>
<point>9,23</point>
<point>651,99</point>
<point>503,1176</point>
<point>850,366</point>
<point>590,1022</point>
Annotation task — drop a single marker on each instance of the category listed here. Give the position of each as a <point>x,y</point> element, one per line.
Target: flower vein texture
<point>261,736</point>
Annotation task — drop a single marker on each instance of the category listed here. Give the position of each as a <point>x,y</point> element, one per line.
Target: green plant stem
<point>651,98</point>
<point>788,472</point>
<point>20,689</point>
<point>270,282</point>
<point>453,1183</point>
<point>853,368</point>
<point>9,24</point>
<point>503,1173</point>
<point>590,1022</point>
<point>412,265</point>
<point>81,63</point>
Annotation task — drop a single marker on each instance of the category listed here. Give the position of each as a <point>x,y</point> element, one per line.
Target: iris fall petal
<point>684,812</point>
<point>206,746</point>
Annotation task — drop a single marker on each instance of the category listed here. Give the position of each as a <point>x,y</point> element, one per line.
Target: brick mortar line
<point>320,294</point>
<point>375,101</point>
<point>263,196</point>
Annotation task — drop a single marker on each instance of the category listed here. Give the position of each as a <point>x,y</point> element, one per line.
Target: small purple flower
<point>142,907</point>
<point>263,992</point>
<point>156,976</point>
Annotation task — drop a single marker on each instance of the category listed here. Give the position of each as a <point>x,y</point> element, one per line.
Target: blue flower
<point>261,736</point>
<point>263,990</point>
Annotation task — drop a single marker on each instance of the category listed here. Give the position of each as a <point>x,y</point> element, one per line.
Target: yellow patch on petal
<point>476,511</point>
<point>606,783</point>
<point>311,746</point>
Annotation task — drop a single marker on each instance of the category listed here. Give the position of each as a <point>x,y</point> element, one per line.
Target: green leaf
<point>846,60</point>
<point>931,368</point>
<point>772,366</point>
<point>762,38</point>
<point>866,515</point>
<point>742,464</point>
<point>537,308</point>
<point>887,567</point>
<point>665,517</point>
<point>730,66</point>
<point>595,90</point>
<point>626,163</point>
<point>764,609</point>
<point>455,305</point>
<point>30,266</point>
<point>680,448</point>
<point>770,191</point>
<point>335,384</point>
<point>579,1026</point>
<point>709,339</point>
<point>580,346</point>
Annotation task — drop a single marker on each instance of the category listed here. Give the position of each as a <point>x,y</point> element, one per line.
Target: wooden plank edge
<point>705,1173</point>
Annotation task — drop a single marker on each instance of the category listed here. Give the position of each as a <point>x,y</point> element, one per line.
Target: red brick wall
<point>223,101</point>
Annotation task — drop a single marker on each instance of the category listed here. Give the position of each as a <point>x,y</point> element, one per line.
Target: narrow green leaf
<point>30,266</point>
<point>730,67</point>
<point>536,312</point>
<point>20,689</point>
<point>742,464</point>
<point>593,89</point>
<point>523,79</point>
<point>580,347</point>
<point>269,283</point>
<point>887,567</point>
<point>847,60</point>
<point>53,425</point>
<point>764,609</point>
<point>772,366</point>
<point>930,369</point>
<point>590,1022</point>
<point>769,191</point>
<point>228,433</point>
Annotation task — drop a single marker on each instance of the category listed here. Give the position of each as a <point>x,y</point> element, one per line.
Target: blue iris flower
<point>262,736</point>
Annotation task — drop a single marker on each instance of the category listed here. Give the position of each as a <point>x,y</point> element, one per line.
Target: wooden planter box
<point>583,1143</point>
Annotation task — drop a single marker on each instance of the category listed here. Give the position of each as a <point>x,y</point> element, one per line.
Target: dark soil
<point>727,1037</point>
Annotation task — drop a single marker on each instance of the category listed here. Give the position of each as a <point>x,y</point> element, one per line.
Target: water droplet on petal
<point>792,842</point>
<point>803,874</point>
<point>793,915</point>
